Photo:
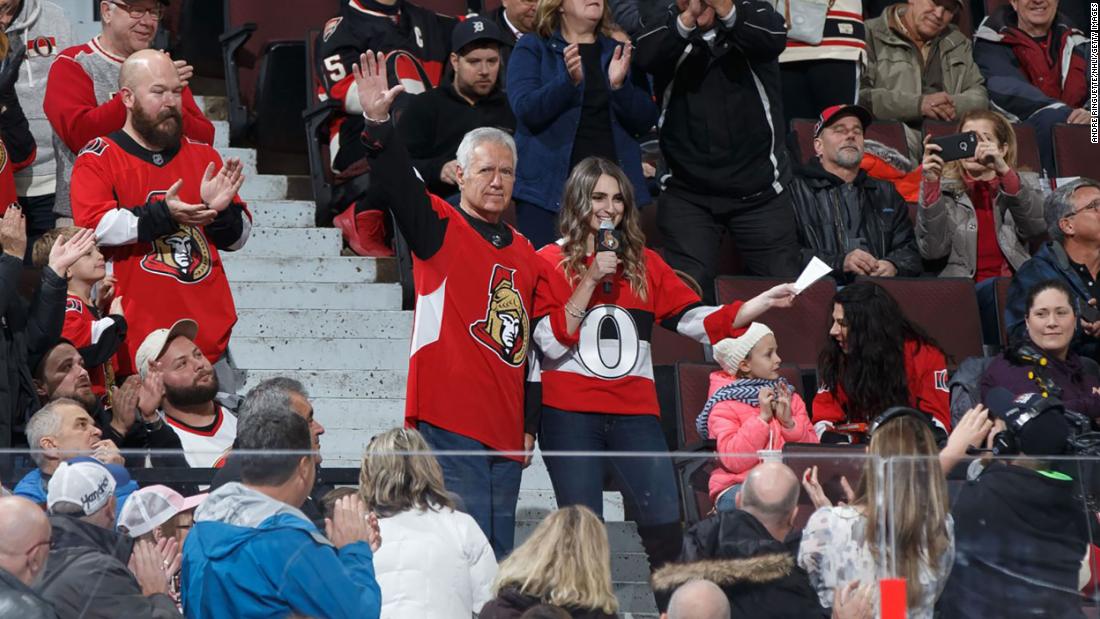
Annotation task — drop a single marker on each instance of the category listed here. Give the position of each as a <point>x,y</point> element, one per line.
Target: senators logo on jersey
<point>506,328</point>
<point>184,255</point>
<point>95,147</point>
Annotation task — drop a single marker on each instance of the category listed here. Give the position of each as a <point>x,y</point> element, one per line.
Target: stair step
<point>283,213</point>
<point>221,133</point>
<point>293,242</point>
<point>358,417</point>
<point>311,296</point>
<point>634,597</point>
<point>621,535</point>
<point>266,353</point>
<point>360,324</point>
<point>246,155</point>
<point>264,187</point>
<point>332,384</point>
<point>213,106</point>
<point>337,269</point>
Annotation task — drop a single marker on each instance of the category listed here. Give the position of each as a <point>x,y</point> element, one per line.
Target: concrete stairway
<point>335,323</point>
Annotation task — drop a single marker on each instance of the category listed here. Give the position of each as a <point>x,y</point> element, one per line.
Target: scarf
<point>745,390</point>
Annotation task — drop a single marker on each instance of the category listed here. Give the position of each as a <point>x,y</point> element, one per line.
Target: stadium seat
<point>938,128</point>
<point>692,473</point>
<point>965,21</point>
<point>1027,149</point>
<point>803,131</point>
<point>282,94</point>
<point>668,347</point>
<point>1071,150</point>
<point>455,8</point>
<point>993,5</point>
<point>889,133</point>
<point>1000,288</point>
<point>945,307</point>
<point>195,33</point>
<point>800,330</point>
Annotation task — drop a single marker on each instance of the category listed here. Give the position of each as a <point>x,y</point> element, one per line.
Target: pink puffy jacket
<point>737,428</point>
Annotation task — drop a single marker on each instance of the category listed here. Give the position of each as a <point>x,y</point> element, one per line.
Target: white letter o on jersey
<point>608,358</point>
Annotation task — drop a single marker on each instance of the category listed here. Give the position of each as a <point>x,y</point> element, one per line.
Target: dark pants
<point>488,486</point>
<point>539,225</point>
<point>810,86</point>
<point>692,227</point>
<point>38,210</point>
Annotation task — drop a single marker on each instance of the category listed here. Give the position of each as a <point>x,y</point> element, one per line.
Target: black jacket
<point>19,600</point>
<point>722,132</point>
<point>26,332</point>
<point>835,218</point>
<point>435,122</point>
<point>758,573</point>
<point>87,575</point>
<point>1020,537</point>
<point>510,604</point>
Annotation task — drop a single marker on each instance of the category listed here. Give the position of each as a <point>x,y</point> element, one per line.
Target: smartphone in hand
<point>957,146</point>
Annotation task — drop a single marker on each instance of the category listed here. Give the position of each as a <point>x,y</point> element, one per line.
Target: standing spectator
<point>433,124</point>
<point>1035,65</point>
<point>594,402</point>
<point>171,357</point>
<point>716,70</point>
<point>574,97</point>
<point>1072,214</point>
<point>515,18</point>
<point>16,142</point>
<point>416,42</point>
<point>875,358</point>
<point>480,286</point>
<point>566,562</point>
<point>253,554</point>
<point>838,542</point>
<point>44,28</point>
<point>436,562</point>
<point>163,206</point>
<point>130,579</point>
<point>24,549</point>
<point>920,66</point>
<point>80,100</point>
<point>857,224</point>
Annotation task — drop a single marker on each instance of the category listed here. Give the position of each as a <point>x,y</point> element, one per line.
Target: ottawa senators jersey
<point>165,271</point>
<point>96,338</point>
<point>7,180</point>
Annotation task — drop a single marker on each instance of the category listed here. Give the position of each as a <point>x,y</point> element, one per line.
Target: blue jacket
<point>249,556</point>
<point>1050,262</point>
<point>547,106</point>
<point>33,489</point>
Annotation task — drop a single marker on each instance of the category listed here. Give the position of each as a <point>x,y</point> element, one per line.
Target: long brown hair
<point>548,18</point>
<point>575,227</point>
<point>914,511</point>
<point>1002,130</point>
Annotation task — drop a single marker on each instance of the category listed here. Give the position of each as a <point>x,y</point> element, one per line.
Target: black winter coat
<point>758,573</point>
<point>834,218</point>
<point>510,604</point>
<point>19,600</point>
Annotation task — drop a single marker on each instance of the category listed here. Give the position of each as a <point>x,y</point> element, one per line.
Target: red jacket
<point>926,374</point>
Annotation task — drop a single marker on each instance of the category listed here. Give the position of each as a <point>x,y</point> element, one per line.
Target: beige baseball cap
<point>154,344</point>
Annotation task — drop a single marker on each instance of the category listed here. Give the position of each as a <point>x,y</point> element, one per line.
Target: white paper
<point>1064,180</point>
<point>813,272</point>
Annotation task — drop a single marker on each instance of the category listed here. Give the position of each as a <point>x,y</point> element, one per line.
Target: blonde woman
<point>435,561</point>
<point>841,545</point>
<point>566,563</point>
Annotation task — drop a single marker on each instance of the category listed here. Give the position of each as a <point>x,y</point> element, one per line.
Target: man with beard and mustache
<point>856,224</point>
<point>162,207</point>
<point>24,549</point>
<point>206,430</point>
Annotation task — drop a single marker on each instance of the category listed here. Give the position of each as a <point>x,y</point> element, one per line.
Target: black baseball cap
<point>474,28</point>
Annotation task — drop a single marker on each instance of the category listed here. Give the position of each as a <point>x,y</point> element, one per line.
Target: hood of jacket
<point>70,532</point>
<point>889,156</point>
<point>234,514</point>
<point>26,17</point>
<point>719,379</point>
<point>758,570</point>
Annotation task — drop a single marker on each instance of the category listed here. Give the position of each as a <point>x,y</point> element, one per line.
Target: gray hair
<point>699,599</point>
<point>484,135</point>
<point>269,394</point>
<point>1059,205</point>
<point>46,422</point>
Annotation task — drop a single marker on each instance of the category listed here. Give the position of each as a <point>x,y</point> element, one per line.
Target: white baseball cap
<point>153,506</point>
<point>87,484</point>
<point>154,344</point>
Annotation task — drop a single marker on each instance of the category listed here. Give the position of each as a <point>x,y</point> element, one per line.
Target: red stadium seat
<point>668,347</point>
<point>1000,288</point>
<point>938,128</point>
<point>1074,154</point>
<point>803,130</point>
<point>455,8</point>
<point>1027,149</point>
<point>964,20</point>
<point>693,473</point>
<point>993,5</point>
<point>889,133</point>
<point>800,330</point>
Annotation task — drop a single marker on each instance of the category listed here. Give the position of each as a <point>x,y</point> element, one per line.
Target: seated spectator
<point>1035,65</point>
<point>750,551</point>
<point>698,599</point>
<point>750,409</point>
<point>87,574</point>
<point>436,562</point>
<point>574,97</point>
<point>566,562</point>
<point>920,66</point>
<point>164,206</point>
<point>95,326</point>
<point>1072,214</point>
<point>328,502</point>
<point>24,549</point>
<point>252,553</point>
<point>837,543</point>
<point>157,513</point>
<point>434,124</point>
<point>979,212</point>
<point>875,358</point>
<point>171,358</point>
<point>80,100</point>
<point>856,224</point>
<point>1042,361</point>
<point>514,18</point>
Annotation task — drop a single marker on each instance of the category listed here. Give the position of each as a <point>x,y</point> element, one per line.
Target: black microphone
<point>608,238</point>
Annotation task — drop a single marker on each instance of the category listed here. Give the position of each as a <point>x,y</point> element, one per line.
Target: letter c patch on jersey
<point>506,328</point>
<point>941,380</point>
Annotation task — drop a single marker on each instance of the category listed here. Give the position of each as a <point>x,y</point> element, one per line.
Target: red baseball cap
<point>832,114</point>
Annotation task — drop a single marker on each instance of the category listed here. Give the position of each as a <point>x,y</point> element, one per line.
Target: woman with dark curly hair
<point>875,358</point>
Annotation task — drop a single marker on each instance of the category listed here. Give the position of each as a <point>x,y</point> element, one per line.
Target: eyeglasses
<point>1091,206</point>
<point>137,13</point>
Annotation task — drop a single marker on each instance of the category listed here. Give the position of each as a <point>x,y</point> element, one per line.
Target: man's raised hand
<point>375,95</point>
<point>218,190</point>
<point>185,213</point>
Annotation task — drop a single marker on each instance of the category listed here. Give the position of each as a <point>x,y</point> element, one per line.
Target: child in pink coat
<point>750,409</point>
